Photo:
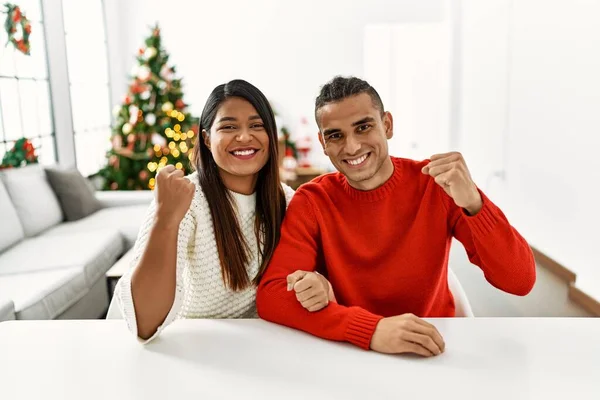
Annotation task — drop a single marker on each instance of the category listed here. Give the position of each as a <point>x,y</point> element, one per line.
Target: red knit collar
<point>376,194</point>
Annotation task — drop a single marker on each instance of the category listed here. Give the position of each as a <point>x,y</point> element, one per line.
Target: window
<point>25,108</point>
<point>88,81</point>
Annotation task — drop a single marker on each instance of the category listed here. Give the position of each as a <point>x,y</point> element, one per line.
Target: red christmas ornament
<point>21,46</point>
<point>179,104</point>
<point>127,100</point>
<point>140,51</point>
<point>17,15</point>
<point>137,87</point>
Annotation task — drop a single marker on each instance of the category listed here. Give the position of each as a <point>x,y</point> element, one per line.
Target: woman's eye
<point>258,126</point>
<point>228,127</point>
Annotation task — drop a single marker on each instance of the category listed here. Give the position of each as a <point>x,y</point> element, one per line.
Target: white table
<point>241,359</point>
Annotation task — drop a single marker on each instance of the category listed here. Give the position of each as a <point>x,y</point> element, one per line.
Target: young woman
<point>208,237</point>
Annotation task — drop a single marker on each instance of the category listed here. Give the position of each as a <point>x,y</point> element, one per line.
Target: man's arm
<point>491,242</point>
<point>299,249</point>
<point>495,246</point>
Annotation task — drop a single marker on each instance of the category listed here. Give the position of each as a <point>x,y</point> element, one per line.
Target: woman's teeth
<point>244,152</point>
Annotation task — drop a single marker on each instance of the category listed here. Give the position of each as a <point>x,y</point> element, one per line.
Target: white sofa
<point>54,269</point>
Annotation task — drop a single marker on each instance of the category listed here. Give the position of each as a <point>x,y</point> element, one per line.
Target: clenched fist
<point>313,291</point>
<point>174,194</point>
<point>451,173</point>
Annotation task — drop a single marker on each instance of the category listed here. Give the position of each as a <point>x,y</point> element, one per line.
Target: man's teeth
<point>244,152</point>
<point>358,160</point>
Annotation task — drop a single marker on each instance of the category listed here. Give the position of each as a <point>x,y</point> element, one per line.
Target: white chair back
<point>461,302</point>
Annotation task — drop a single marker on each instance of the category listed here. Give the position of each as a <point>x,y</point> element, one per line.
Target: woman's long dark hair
<point>270,199</point>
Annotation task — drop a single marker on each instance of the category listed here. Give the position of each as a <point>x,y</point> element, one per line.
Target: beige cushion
<point>126,220</point>
<point>46,275</point>
<point>12,230</point>
<point>95,251</point>
<point>119,198</point>
<point>35,202</point>
<point>44,295</point>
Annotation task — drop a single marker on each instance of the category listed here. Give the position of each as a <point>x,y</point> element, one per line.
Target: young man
<point>380,229</point>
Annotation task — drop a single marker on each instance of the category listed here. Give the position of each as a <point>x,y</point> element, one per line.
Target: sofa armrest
<point>7,310</point>
<point>115,198</point>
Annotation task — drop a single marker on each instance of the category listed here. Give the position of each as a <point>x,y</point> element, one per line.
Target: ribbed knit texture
<point>385,252</point>
<point>200,290</point>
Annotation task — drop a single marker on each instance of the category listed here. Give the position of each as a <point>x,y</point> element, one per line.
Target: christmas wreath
<point>21,154</point>
<point>17,27</point>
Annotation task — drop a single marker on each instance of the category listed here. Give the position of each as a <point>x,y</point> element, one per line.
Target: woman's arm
<point>149,294</point>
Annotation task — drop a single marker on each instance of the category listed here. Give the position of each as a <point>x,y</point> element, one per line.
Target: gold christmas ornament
<point>168,106</point>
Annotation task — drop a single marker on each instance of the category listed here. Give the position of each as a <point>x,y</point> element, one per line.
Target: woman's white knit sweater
<point>200,291</point>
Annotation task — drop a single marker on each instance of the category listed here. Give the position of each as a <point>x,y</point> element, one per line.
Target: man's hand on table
<point>407,333</point>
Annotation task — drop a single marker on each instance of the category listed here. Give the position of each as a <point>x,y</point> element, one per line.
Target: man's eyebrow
<point>364,121</point>
<point>331,131</point>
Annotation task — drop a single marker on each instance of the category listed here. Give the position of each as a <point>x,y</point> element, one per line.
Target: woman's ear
<point>206,138</point>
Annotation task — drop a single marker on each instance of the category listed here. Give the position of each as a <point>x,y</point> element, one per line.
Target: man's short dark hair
<point>340,88</point>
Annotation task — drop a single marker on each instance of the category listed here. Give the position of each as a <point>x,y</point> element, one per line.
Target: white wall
<point>287,49</point>
<point>410,65</point>
<point>531,95</point>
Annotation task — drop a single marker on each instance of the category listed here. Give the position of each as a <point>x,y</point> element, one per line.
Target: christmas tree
<point>152,128</point>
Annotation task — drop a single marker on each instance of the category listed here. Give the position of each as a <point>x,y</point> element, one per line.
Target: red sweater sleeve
<point>494,245</point>
<point>299,249</point>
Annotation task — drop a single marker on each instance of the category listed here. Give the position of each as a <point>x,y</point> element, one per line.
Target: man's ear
<point>388,122</point>
<point>321,140</point>
<point>206,138</point>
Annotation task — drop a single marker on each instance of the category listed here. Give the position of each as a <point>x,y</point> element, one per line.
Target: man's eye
<point>334,136</point>
<point>364,127</point>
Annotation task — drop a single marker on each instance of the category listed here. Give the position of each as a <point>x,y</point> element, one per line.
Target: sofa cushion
<point>121,198</point>
<point>33,198</point>
<point>44,294</point>
<point>76,197</point>
<point>12,230</point>
<point>95,251</point>
<point>7,309</point>
<point>127,220</point>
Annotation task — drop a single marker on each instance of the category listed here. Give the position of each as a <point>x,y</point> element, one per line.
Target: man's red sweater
<point>385,252</point>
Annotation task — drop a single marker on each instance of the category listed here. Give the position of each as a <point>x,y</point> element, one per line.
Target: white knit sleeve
<point>185,247</point>
<point>289,193</point>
